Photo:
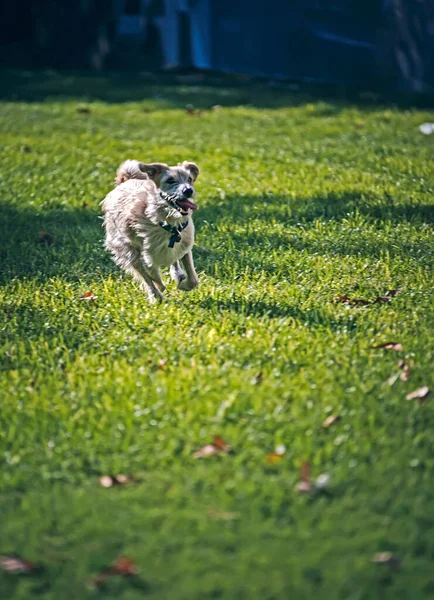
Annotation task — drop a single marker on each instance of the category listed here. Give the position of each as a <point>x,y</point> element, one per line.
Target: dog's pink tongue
<point>185,203</point>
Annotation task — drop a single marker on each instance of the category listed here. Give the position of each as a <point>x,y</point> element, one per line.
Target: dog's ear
<point>193,168</point>
<point>153,170</point>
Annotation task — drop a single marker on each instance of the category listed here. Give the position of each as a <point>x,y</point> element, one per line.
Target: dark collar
<point>175,230</point>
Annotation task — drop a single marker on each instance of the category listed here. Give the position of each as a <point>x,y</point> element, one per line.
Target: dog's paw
<point>156,298</point>
<point>188,284</point>
<point>177,275</point>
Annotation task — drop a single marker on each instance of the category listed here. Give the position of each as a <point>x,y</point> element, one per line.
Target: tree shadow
<point>275,224</point>
<point>176,90</point>
<point>260,308</point>
<point>44,244</point>
<point>329,207</point>
<point>69,242</point>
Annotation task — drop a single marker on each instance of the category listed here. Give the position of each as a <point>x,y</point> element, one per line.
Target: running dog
<point>148,224</point>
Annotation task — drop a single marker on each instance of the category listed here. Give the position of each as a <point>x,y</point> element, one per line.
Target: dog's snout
<point>188,191</point>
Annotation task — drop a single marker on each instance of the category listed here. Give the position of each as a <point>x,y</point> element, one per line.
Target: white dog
<point>148,223</point>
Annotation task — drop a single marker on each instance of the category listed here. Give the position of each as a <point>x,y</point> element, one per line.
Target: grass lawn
<point>300,199</point>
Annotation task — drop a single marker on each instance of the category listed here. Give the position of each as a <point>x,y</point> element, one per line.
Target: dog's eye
<point>190,180</point>
<point>170,181</point>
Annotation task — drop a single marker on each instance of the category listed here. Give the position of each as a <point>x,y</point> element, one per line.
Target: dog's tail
<point>130,169</point>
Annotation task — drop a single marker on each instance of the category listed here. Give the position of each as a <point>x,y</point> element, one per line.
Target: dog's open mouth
<point>185,203</point>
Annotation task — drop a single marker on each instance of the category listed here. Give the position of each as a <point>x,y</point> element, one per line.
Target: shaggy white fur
<point>147,218</point>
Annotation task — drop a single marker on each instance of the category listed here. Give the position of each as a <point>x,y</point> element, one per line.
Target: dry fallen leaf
<point>393,293</point>
<point>419,394</point>
<point>273,458</point>
<point>162,364</point>
<point>108,481</point>
<point>15,564</point>
<point>45,238</point>
<point>277,455</point>
<point>123,566</point>
<point>322,481</point>
<point>405,370</point>
<point>304,485</point>
<point>381,299</point>
<point>217,447</point>
<point>387,558</point>
<point>389,346</point>
<point>257,378</point>
<point>89,296</point>
<point>356,301</point>
<point>331,420</point>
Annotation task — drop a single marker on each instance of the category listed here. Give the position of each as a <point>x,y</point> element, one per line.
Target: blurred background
<point>385,44</point>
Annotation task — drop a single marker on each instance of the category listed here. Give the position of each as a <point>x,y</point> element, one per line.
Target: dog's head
<point>176,182</point>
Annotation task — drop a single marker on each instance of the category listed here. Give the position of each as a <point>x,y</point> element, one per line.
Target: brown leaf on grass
<point>108,481</point>
<point>331,420</point>
<point>122,566</point>
<point>45,238</point>
<point>15,564</point>
<point>277,455</point>
<point>218,446</point>
<point>387,558</point>
<point>257,378</point>
<point>419,394</point>
<point>389,346</point>
<point>381,299</point>
<point>273,458</point>
<point>304,486</point>
<point>405,370</point>
<point>161,364</point>
<point>356,301</point>
<point>221,444</point>
<point>393,293</point>
<point>89,296</point>
<point>83,110</point>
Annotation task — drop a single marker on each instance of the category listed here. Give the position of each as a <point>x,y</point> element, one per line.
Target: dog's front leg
<point>191,281</point>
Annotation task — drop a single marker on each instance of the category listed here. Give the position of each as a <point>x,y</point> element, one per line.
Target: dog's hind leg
<point>176,273</point>
<point>191,281</point>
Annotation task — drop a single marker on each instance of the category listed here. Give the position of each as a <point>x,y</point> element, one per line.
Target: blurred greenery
<point>301,198</point>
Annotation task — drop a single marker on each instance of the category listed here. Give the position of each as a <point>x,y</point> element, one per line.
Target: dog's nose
<point>188,192</point>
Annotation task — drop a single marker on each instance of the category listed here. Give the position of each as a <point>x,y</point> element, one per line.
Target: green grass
<point>301,199</point>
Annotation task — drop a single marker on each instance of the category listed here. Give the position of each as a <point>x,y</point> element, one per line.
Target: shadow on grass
<point>255,308</point>
<point>174,90</point>
<point>330,207</point>
<point>60,242</point>
<point>76,249</point>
